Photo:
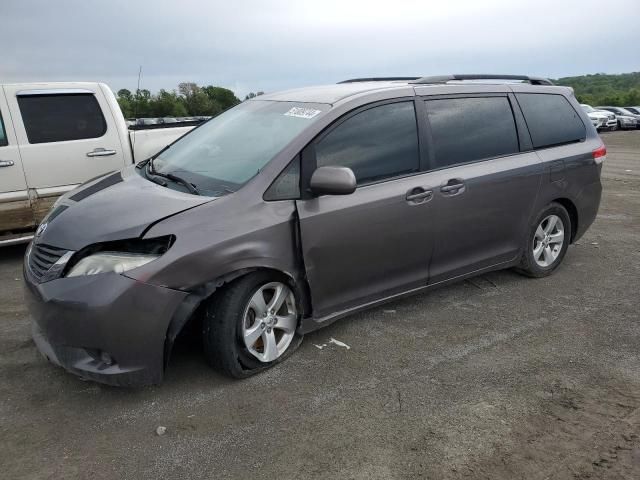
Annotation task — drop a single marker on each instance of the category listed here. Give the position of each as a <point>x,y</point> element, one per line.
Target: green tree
<point>602,89</point>
<point>223,97</point>
<point>167,104</point>
<point>196,101</point>
<point>251,95</point>
<point>188,100</point>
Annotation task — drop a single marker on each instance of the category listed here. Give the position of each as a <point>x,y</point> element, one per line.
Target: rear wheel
<point>547,242</point>
<point>251,325</point>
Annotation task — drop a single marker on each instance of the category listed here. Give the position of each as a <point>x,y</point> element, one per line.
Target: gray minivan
<point>294,209</point>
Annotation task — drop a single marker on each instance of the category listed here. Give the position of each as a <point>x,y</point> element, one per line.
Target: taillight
<point>599,154</point>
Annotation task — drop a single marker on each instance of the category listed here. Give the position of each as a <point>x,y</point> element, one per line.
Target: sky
<point>273,45</point>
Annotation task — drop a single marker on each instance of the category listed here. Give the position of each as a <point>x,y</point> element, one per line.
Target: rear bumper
<point>106,327</point>
<point>588,203</point>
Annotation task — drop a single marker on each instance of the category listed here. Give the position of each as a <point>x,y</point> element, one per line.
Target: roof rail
<point>379,79</point>
<point>476,76</point>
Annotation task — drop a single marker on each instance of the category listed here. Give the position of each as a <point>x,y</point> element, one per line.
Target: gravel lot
<point>496,377</point>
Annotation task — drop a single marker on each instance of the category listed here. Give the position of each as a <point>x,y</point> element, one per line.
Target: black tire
<point>528,265</point>
<point>224,347</point>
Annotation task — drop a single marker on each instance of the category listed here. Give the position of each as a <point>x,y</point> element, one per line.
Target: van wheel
<point>251,324</point>
<point>547,242</point>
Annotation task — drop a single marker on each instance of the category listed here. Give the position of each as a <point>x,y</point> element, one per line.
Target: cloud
<point>275,44</point>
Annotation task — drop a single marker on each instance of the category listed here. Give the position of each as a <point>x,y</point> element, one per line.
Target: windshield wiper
<point>174,178</point>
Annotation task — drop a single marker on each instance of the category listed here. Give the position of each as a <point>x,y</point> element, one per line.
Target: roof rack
<point>379,79</point>
<point>476,76</point>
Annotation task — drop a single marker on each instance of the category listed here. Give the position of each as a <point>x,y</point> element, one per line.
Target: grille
<point>42,258</point>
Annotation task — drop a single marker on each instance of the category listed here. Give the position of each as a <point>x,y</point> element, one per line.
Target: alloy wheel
<point>269,321</point>
<point>548,240</point>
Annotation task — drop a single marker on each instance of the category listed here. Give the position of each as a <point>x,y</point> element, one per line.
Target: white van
<point>55,136</point>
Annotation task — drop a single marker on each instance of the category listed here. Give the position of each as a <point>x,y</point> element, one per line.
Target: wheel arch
<point>572,210</point>
<point>189,308</point>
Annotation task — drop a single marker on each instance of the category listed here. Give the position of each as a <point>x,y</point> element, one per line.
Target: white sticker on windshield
<point>301,112</point>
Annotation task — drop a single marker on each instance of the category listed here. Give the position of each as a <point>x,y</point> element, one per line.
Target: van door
<point>487,186</point>
<point>375,242</point>
<point>16,216</point>
<point>66,137</point>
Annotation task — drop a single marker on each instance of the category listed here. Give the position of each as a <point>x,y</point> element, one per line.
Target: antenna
<point>135,109</point>
<point>135,112</point>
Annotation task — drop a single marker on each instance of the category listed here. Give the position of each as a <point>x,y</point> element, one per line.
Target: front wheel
<point>547,242</point>
<point>251,325</point>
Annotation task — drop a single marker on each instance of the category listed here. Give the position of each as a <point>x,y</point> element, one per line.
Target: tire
<point>231,314</point>
<point>541,254</point>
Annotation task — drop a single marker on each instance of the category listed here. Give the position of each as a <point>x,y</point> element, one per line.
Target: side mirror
<point>333,181</point>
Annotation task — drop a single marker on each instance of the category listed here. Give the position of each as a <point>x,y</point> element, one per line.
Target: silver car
<point>295,209</point>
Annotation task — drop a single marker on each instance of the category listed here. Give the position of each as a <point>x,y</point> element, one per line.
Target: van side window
<point>378,143</point>
<point>470,129</point>
<point>57,118</point>
<point>551,119</point>
<point>3,135</point>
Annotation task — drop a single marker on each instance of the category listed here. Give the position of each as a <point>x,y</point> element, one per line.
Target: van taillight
<point>600,153</point>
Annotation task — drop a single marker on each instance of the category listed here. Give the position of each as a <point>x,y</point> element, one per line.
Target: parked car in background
<point>288,212</point>
<point>165,120</point>
<point>626,120</point>
<point>601,119</point>
<point>635,110</point>
<point>56,136</point>
<point>141,122</point>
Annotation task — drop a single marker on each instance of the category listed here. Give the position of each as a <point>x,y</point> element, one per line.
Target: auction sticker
<point>302,112</point>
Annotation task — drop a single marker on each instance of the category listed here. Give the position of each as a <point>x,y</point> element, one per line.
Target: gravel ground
<point>497,377</point>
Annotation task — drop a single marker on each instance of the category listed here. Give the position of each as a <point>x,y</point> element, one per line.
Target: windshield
<point>588,108</point>
<point>226,152</point>
<point>624,111</point>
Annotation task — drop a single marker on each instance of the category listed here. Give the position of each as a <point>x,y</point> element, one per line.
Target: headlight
<point>104,262</point>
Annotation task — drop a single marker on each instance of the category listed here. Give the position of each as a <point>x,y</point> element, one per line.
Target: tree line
<point>189,100</point>
<point>192,100</point>
<point>621,90</point>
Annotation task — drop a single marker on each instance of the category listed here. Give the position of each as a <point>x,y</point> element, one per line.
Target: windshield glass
<point>226,152</point>
<point>588,108</point>
<point>624,111</point>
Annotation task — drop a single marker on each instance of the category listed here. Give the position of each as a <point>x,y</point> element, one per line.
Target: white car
<point>55,136</point>
<point>601,119</point>
<point>626,120</point>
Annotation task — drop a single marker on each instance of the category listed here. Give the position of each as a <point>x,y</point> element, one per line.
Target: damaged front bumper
<point>106,327</point>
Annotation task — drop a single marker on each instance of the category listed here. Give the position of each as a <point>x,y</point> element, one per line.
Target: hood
<point>598,114</point>
<point>117,206</point>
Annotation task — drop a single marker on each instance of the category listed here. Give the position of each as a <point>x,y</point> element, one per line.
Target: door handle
<point>453,186</point>
<point>418,195</point>
<point>100,152</point>
<point>6,163</point>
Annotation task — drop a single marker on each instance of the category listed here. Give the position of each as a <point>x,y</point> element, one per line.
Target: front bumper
<point>81,321</point>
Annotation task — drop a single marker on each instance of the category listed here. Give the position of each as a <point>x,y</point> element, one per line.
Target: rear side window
<point>3,135</point>
<point>551,119</point>
<point>56,118</point>
<point>378,143</point>
<point>470,129</point>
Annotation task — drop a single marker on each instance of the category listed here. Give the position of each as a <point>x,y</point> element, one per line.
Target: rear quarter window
<point>59,118</point>
<point>551,119</point>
